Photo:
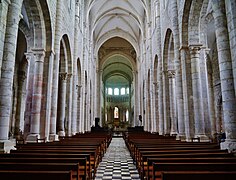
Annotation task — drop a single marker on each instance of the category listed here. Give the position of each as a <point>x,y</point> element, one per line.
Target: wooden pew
<point>150,161</point>
<point>82,159</point>
<point>158,168</point>
<point>35,175</point>
<point>198,175</point>
<point>73,167</point>
<point>94,158</point>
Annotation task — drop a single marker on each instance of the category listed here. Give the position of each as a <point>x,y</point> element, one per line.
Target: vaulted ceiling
<point>116,30</point>
<point>127,16</point>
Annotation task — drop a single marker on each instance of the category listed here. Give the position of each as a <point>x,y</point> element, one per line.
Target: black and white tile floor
<point>117,163</point>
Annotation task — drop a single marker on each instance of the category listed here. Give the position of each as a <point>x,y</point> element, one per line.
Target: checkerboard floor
<point>117,163</point>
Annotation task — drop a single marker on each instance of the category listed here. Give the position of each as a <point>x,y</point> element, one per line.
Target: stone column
<point>69,105</point>
<point>8,63</point>
<point>231,19</point>
<point>197,96</point>
<point>39,55</point>
<point>19,123</point>
<point>171,76</point>
<point>226,74</point>
<point>54,98</point>
<point>3,21</point>
<point>211,105</point>
<point>62,104</point>
<point>166,103</point>
<point>77,122</point>
<point>155,84</point>
<point>187,93</point>
<point>160,104</point>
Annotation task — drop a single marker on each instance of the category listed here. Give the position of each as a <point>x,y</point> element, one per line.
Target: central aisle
<point>117,163</point>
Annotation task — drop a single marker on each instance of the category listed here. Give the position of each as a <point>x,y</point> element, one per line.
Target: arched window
<point>116,112</point>
<point>127,90</point>
<point>110,91</point>
<point>122,91</point>
<point>116,91</point>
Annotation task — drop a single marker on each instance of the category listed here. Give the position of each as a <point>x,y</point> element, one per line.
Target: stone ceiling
<point>116,28</point>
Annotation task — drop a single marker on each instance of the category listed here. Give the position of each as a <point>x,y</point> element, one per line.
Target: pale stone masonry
<point>59,58</point>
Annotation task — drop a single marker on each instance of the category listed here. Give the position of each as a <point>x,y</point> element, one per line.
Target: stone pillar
<point>3,21</point>
<point>171,76</point>
<point>54,97</point>
<point>160,104</point>
<point>156,120</point>
<point>211,105</point>
<point>231,19</point>
<point>187,93</point>
<point>8,63</point>
<point>39,55</point>
<point>197,96</point>
<point>166,103</point>
<point>19,123</point>
<point>69,105</point>
<point>62,104</point>
<point>226,74</point>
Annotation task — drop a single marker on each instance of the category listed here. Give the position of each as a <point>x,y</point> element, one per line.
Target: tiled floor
<point>117,163</point>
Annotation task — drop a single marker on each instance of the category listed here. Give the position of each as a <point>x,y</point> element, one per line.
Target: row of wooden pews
<point>71,158</point>
<point>164,158</point>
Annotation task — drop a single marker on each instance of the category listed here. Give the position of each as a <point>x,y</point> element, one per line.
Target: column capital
<point>184,47</point>
<point>28,55</point>
<point>69,75</point>
<point>63,76</point>
<point>195,48</point>
<point>39,54</point>
<point>171,73</point>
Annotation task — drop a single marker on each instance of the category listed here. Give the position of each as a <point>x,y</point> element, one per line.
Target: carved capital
<point>69,75</point>
<point>63,76</point>
<point>28,56</point>
<point>39,54</point>
<point>184,48</point>
<point>195,49</point>
<point>171,73</point>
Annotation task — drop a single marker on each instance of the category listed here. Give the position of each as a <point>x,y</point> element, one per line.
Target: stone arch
<point>168,86</point>
<point>194,19</point>
<point>35,22</point>
<point>117,33</point>
<point>65,74</point>
<point>185,21</point>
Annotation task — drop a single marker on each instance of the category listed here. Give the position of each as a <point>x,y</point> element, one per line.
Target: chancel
<point>118,89</point>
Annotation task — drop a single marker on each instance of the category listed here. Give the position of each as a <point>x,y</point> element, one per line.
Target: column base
<point>173,133</point>
<point>7,145</point>
<point>32,138</point>
<point>188,139</point>
<point>181,137</point>
<point>203,138</point>
<point>53,137</point>
<point>61,134</point>
<point>229,144</point>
